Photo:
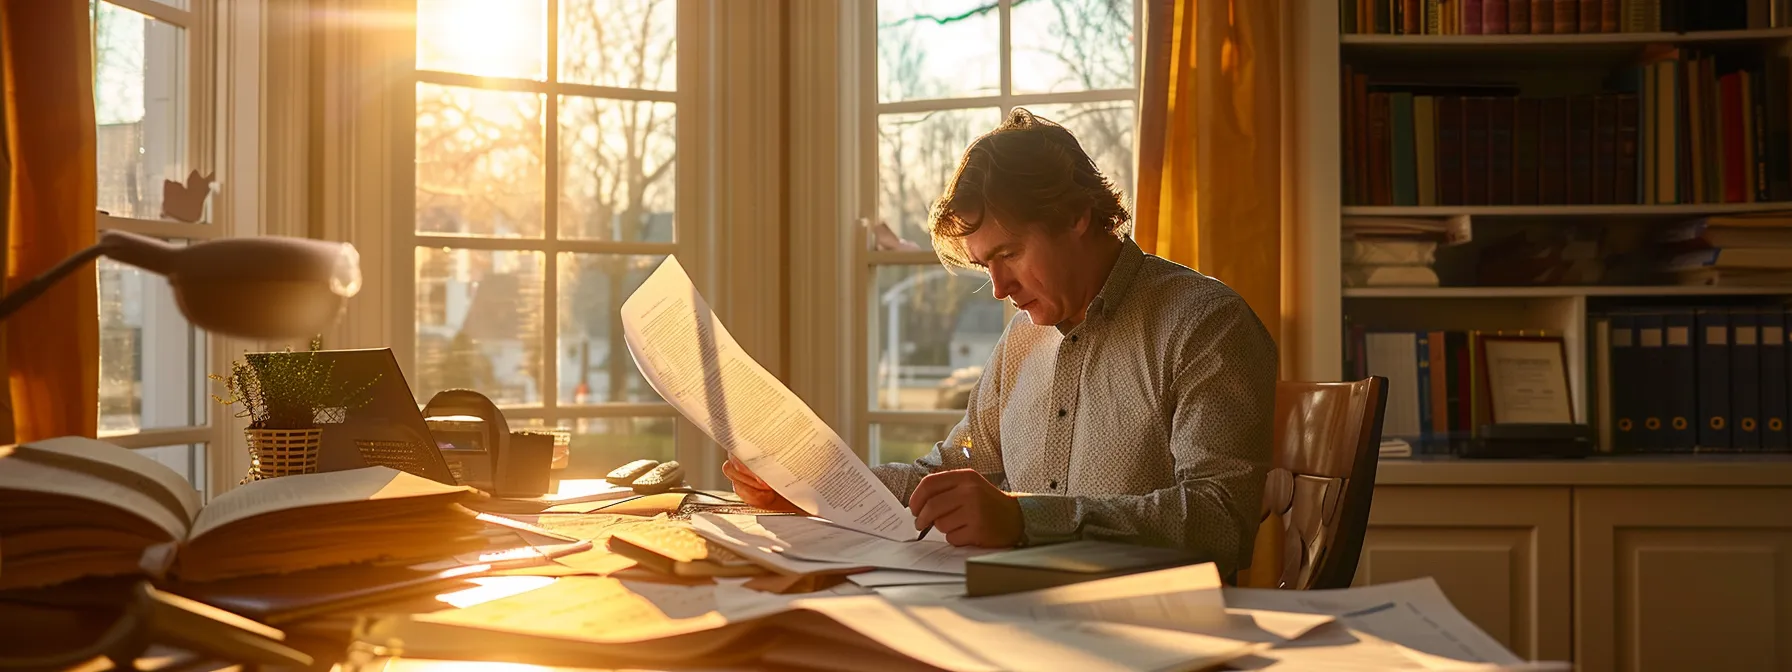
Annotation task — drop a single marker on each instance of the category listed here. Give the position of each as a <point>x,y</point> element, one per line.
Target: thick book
<point>1450,158</point>
<point>74,507</point>
<point>1624,172</point>
<point>1525,152</point>
<point>1474,150</point>
<point>1605,149</point>
<point>1501,115</point>
<point>1063,564</point>
<point>1732,257</point>
<point>1404,160</point>
<point>1552,130</point>
<point>1424,127</point>
<point>1580,150</point>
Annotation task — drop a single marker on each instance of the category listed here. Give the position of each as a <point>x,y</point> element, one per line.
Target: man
<point>1129,400</point>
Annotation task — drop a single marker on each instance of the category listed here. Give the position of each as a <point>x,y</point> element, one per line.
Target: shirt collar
<point>1119,282</point>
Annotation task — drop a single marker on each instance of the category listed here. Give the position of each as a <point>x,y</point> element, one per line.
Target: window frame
<point>861,106</point>
<point>211,465</point>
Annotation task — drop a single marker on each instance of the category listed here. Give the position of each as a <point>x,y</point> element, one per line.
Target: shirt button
<point>1061,412</point>
<point>1073,339</point>
<point>1054,485</point>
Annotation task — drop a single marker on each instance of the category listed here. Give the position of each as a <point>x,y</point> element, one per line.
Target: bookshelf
<point>1570,66</point>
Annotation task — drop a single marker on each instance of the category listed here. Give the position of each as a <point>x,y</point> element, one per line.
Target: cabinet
<point>1644,563</point>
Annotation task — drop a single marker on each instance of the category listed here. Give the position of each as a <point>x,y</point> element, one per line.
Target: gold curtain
<point>52,345</point>
<point>1210,144</point>
<point>1210,163</point>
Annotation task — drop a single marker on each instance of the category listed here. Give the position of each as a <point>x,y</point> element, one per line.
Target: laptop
<point>387,430</point>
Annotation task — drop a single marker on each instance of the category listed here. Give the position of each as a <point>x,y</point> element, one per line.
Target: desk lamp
<point>261,288</point>
<point>258,288</point>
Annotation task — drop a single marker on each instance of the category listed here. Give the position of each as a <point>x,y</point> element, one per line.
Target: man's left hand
<point>965,507</point>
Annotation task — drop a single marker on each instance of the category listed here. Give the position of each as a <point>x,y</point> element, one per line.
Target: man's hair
<point>1027,172</point>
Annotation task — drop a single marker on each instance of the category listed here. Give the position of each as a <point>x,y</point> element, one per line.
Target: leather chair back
<point>1316,503</point>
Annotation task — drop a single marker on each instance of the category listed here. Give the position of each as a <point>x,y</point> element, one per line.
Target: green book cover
<point>1404,161</point>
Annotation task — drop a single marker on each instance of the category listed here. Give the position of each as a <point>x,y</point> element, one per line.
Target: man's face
<point>1033,270</point>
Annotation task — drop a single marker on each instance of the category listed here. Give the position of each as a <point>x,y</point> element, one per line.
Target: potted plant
<point>284,396</point>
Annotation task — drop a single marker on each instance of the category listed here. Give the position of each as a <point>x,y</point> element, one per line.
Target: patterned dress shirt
<point>1147,423</point>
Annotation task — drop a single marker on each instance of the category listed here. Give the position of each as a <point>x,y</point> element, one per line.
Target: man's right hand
<point>754,491</point>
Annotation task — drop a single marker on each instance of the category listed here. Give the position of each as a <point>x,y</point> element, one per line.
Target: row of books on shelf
<point>1667,380</point>
<point>1544,17</point>
<point>1682,127</point>
<point>1703,378</point>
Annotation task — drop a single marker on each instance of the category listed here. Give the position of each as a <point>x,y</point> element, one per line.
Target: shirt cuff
<point>1047,519</point>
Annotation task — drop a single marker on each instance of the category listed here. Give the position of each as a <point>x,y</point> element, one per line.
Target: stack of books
<point>1396,251</point>
<point>1731,251</point>
<point>1543,17</point>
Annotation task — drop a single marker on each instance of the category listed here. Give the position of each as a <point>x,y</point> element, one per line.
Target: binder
<point>1628,435</point>
<point>1679,388</point>
<point>1652,365</point>
<point>1714,379</point>
<point>1745,380</point>
<point>1773,379</point>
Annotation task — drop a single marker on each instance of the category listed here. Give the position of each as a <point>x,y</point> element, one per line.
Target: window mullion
<point>550,276</point>
<point>1004,10</point>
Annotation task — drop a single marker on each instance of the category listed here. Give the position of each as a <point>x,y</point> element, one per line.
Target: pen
<point>924,532</point>
<point>966,448</point>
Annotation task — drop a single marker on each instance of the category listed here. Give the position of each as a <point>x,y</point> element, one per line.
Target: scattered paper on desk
<point>691,360</point>
<point>1414,613</point>
<point>881,578</point>
<point>596,609</point>
<point>796,540</point>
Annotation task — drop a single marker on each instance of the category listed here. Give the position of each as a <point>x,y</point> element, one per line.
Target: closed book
<point>1714,379</point>
<point>1404,162</point>
<point>1412,17</point>
<point>1580,150</point>
<point>1777,128</point>
<point>1380,175</point>
<point>1745,380</point>
<point>1390,355</point>
<point>1625,182</point>
<point>1552,149</point>
<point>1567,17</point>
<point>1439,393</point>
<point>1625,417</point>
<point>1456,386</point>
<point>1424,146</point>
<point>1359,99</point>
<point>1474,150</point>
<point>1494,14</point>
<point>1501,117</point>
<point>1666,124</point>
<point>1652,364</point>
<point>1348,131</point>
<point>1040,567</point>
<point>1423,354</point>
<point>1525,154</point>
<point>1773,380</point>
<point>1732,257</point>
<point>1734,176</point>
<point>1518,17</point>
<point>1680,386</point>
<point>1543,17</point>
<point>1450,150</point>
<point>1605,149</point>
<point>1471,16</point>
<point>1434,17</point>
<point>1608,16</point>
<point>1589,16</point>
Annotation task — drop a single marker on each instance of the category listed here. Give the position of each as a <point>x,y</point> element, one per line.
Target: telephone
<point>475,439</point>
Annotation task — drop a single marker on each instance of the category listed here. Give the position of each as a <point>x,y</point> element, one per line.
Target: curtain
<point>52,345</point>
<point>1210,144</point>
<point>1210,164</point>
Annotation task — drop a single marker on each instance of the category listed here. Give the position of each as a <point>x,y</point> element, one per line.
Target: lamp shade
<point>262,288</point>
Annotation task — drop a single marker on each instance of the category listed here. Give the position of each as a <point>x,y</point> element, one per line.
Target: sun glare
<point>488,38</point>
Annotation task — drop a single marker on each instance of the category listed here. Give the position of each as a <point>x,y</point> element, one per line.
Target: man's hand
<point>754,491</point>
<point>967,508</point>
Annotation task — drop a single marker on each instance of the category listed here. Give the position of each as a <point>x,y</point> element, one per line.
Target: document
<point>688,356</point>
<point>1184,598</point>
<point>883,578</point>
<point>1413,614</point>
<point>795,539</point>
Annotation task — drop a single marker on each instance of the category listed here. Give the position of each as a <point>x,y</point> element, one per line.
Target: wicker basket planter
<point>282,452</point>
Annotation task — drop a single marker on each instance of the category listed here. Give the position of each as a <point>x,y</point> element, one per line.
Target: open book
<point>72,507</point>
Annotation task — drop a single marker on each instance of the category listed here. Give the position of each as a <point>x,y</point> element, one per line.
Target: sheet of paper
<point>1344,651</point>
<point>1181,598</point>
<point>883,578</point>
<point>303,490</point>
<point>604,610</point>
<point>955,637</point>
<point>1414,614</point>
<point>803,538</point>
<point>688,356</point>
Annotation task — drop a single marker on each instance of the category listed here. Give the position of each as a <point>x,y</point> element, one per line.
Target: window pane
<point>629,44</point>
<point>595,366</point>
<point>932,332</point>
<point>186,460</point>
<point>1072,45</point>
<point>929,49</point>
<point>1104,129</point>
<point>139,104</point>
<point>152,372</point>
<point>490,38</point>
<point>917,154</point>
<point>479,322</point>
<point>600,445</point>
<point>904,443</point>
<point>479,162</point>
<point>616,169</point>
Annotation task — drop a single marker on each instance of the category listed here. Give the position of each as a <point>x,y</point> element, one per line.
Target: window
<point>947,71</point>
<point>153,391</point>
<point>545,149</point>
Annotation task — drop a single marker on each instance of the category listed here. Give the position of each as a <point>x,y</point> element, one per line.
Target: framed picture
<point>1527,379</point>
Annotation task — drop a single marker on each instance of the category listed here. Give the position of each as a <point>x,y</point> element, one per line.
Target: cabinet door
<point>1499,553</point>
<point>1683,578</point>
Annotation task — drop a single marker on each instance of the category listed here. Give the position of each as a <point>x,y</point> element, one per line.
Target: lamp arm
<point>30,290</point>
